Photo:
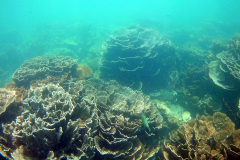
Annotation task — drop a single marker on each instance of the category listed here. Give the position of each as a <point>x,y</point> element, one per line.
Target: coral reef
<point>53,110</point>
<point>42,67</point>
<point>217,74</point>
<point>162,106</point>
<point>230,58</point>
<point>10,105</point>
<point>6,99</point>
<point>131,56</point>
<point>82,119</point>
<point>206,137</point>
<point>196,90</point>
<point>225,70</point>
<point>83,71</point>
<point>225,73</point>
<point>21,93</point>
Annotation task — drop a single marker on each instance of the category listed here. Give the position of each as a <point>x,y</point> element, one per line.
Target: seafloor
<point>141,98</point>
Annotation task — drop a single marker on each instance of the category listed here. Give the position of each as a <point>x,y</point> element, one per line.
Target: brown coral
<point>21,93</point>
<point>82,120</point>
<point>42,67</point>
<point>83,71</point>
<point>202,138</point>
<point>6,99</point>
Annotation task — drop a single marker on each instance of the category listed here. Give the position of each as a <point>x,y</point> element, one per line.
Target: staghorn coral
<point>42,67</point>
<point>208,137</point>
<point>82,120</point>
<point>131,56</point>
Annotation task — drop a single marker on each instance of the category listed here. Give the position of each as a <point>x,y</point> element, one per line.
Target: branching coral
<point>230,59</point>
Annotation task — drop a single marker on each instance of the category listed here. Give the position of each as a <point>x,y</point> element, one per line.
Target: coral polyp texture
<point>131,57</point>
<point>206,137</point>
<point>42,67</point>
<point>82,119</point>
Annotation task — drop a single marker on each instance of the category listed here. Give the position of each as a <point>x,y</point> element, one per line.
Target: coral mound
<point>82,119</point>
<point>42,67</point>
<point>131,56</point>
<point>204,138</point>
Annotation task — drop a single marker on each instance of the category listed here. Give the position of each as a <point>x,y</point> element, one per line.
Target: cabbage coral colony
<point>138,57</point>
<point>53,110</point>
<point>65,117</point>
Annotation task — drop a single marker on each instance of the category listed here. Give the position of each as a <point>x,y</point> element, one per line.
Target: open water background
<point>22,22</point>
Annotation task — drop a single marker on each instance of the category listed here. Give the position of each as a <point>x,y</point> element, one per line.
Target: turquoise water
<point>26,24</point>
<point>24,16</point>
<point>181,82</point>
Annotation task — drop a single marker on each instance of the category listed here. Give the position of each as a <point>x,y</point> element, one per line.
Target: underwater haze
<point>24,16</point>
<point>119,79</point>
<point>22,21</point>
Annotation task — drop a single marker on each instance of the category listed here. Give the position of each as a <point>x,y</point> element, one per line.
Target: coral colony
<point>58,109</point>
